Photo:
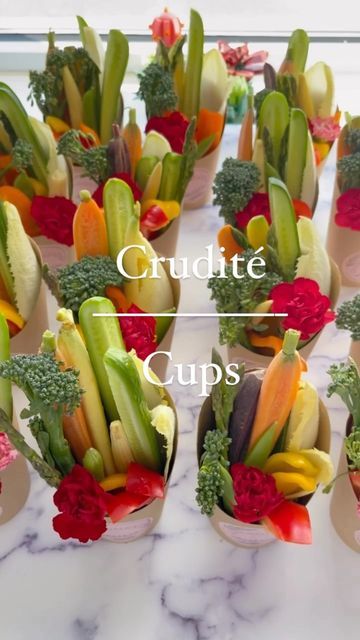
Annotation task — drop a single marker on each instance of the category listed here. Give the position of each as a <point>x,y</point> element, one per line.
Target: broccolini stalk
<point>51,393</point>
<point>93,160</point>
<point>348,317</point>
<point>346,384</point>
<point>156,89</point>
<point>234,186</point>
<point>73,284</point>
<point>21,157</point>
<point>45,471</point>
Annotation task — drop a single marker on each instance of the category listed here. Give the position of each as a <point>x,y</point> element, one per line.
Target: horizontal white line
<point>190,315</point>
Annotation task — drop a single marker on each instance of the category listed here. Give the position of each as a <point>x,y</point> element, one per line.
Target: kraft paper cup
<point>262,360</point>
<point>199,190</point>
<point>15,486</point>
<point>241,534</point>
<point>139,523</point>
<point>343,246</point>
<point>165,244</point>
<point>28,339</point>
<point>56,255</point>
<point>80,182</point>
<point>344,513</point>
<point>159,362</point>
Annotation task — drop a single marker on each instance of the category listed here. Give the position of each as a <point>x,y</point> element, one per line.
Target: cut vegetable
<point>144,170</point>
<point>274,119</point>
<point>190,102</point>
<point>120,447</point>
<point>296,152</point>
<point>130,402</point>
<point>314,261</point>
<point>116,59</point>
<point>5,384</point>
<point>118,207</point>
<point>153,182</point>
<point>163,420</point>
<point>73,98</point>
<point>100,333</point>
<point>257,232</point>
<point>297,52</point>
<point>89,229</point>
<point>171,172</point>
<point>155,145</point>
<point>284,223</point>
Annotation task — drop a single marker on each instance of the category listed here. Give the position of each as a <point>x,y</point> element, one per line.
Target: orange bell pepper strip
<point>209,123</point>
<point>225,238</point>
<point>117,297</point>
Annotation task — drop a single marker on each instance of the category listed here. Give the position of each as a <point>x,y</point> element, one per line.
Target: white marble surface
<point>182,581</point>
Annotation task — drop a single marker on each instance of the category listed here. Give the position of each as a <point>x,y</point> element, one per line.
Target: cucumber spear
<point>284,224</point>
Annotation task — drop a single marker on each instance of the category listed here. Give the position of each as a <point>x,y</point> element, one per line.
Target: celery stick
<point>119,208</point>
<point>75,354</point>
<point>190,102</point>
<point>100,333</point>
<point>284,223</point>
<point>11,106</point>
<point>116,59</point>
<point>274,116</point>
<point>5,385</point>
<point>171,171</point>
<point>144,169</point>
<point>296,152</point>
<point>132,408</point>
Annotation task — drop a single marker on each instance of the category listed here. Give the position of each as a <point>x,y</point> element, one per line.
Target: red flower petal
<point>54,217</point>
<point>139,333</point>
<point>172,126</point>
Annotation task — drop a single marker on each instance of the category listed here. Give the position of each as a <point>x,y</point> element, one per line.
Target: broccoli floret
<point>233,295</point>
<point>93,160</point>
<point>233,187</point>
<point>51,393</point>
<point>352,448</point>
<point>73,284</point>
<point>346,384</point>
<point>156,89</point>
<point>348,317</point>
<point>210,480</point>
<point>21,157</point>
<point>349,169</point>
<point>353,140</point>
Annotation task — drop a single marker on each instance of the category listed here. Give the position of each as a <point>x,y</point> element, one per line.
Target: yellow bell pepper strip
<point>290,461</point>
<point>115,481</point>
<point>57,126</point>
<point>257,232</point>
<point>10,313</point>
<point>289,522</point>
<point>39,188</point>
<point>171,208</point>
<point>291,484</point>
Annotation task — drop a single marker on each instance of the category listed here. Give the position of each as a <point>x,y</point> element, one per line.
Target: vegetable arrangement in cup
<point>14,475</point>
<point>22,301</point>
<point>311,90</point>
<point>348,318</point>
<point>33,177</point>
<point>263,449</point>
<point>344,227</point>
<point>80,86</point>
<point>106,435</point>
<point>99,237</point>
<point>175,90</point>
<point>345,503</point>
<point>297,278</point>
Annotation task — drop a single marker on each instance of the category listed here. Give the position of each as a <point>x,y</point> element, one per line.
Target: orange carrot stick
<point>76,433</point>
<point>209,123</point>
<point>226,239</point>
<point>89,228</point>
<point>245,144</point>
<point>132,137</point>
<point>117,297</point>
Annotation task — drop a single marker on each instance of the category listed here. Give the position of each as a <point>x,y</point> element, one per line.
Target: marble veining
<point>182,582</point>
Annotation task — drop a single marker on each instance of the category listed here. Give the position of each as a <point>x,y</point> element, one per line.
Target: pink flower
<point>327,129</point>
<point>240,62</point>
<point>348,210</point>
<point>7,453</point>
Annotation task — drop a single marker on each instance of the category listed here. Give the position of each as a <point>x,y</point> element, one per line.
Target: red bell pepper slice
<point>355,481</point>
<point>123,503</point>
<point>290,522</point>
<point>152,220</point>
<point>144,482</point>
<point>302,209</point>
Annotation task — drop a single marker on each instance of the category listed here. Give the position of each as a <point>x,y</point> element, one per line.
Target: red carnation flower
<point>258,205</point>
<point>54,217</point>
<point>82,503</point>
<point>255,493</point>
<point>139,333</point>
<point>172,126</point>
<point>348,210</point>
<point>307,308</point>
<point>98,193</point>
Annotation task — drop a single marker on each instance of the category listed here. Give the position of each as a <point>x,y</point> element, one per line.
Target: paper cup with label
<point>199,190</point>
<point>238,533</point>
<point>28,339</point>
<point>344,506</point>
<point>343,245</point>
<point>15,487</point>
<point>263,357</point>
<point>139,523</point>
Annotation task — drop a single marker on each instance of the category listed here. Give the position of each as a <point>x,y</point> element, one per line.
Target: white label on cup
<point>248,536</point>
<point>127,531</point>
<point>357,536</point>
<point>351,266</point>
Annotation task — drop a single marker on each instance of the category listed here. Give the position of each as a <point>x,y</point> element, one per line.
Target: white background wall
<point>224,16</point>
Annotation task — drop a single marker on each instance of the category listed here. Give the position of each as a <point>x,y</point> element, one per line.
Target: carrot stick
<point>209,123</point>
<point>279,388</point>
<point>117,297</point>
<point>245,144</point>
<point>132,137</point>
<point>89,229</point>
<point>76,433</point>
<point>226,239</point>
